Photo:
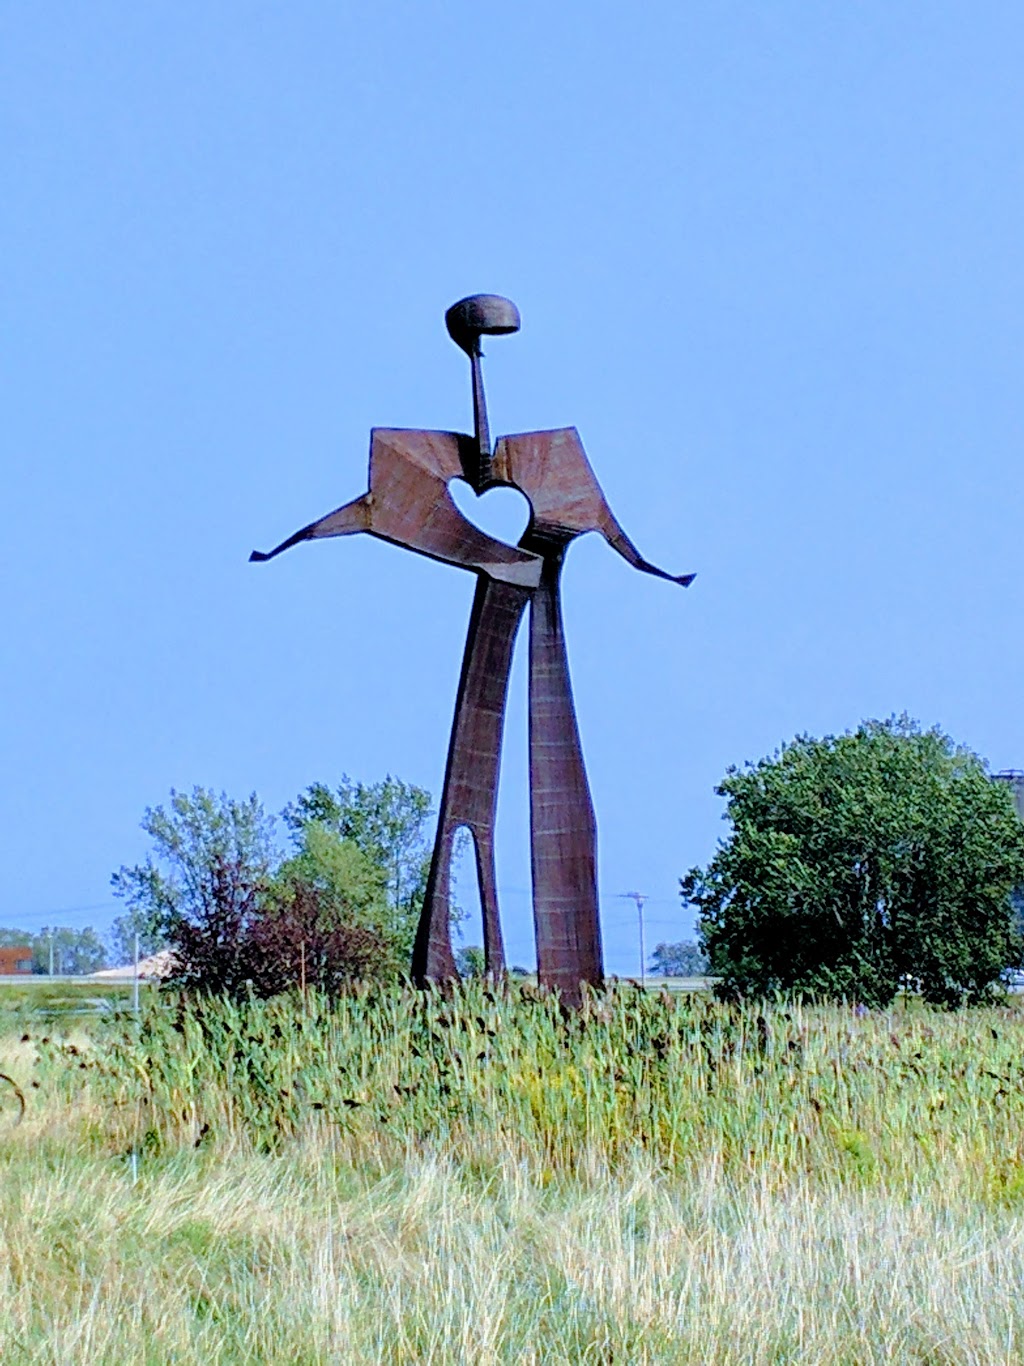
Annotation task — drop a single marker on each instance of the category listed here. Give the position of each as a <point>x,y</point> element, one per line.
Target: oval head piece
<point>480,315</point>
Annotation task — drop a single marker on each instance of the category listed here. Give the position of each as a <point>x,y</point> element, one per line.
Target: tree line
<point>338,897</point>
<point>59,948</point>
<point>339,900</point>
<point>855,867</point>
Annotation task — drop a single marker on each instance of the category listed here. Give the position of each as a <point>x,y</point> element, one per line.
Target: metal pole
<point>135,980</point>
<point>639,898</point>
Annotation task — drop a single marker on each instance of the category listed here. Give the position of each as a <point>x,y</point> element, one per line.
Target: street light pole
<point>639,898</point>
<point>135,979</point>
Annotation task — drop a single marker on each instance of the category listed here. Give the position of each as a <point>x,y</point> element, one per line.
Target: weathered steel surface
<point>408,503</point>
<point>467,321</point>
<point>552,469</point>
<point>563,832</point>
<point>470,790</point>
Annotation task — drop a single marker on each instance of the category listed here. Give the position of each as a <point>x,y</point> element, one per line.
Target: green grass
<point>402,1178</point>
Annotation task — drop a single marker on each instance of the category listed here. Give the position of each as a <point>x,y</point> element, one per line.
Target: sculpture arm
<point>618,540</point>
<point>409,504</point>
<point>344,521</point>
<point>552,469</point>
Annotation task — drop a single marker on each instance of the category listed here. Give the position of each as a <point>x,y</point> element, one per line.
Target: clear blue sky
<point>769,262</point>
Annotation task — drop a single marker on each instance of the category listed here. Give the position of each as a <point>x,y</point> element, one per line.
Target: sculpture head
<point>480,315</point>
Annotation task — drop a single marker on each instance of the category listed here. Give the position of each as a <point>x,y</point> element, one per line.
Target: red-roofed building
<point>15,960</point>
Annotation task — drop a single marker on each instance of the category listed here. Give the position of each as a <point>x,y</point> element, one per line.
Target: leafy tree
<point>212,934</point>
<point>349,885</point>
<point>858,859</point>
<point>388,824</point>
<point>301,941</point>
<point>259,937</point>
<point>15,939</point>
<point>679,960</point>
<point>207,847</point>
<point>215,888</point>
<point>470,961</point>
<point>74,951</point>
<point>250,936</point>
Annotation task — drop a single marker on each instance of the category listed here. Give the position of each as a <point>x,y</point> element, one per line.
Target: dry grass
<point>892,1232</point>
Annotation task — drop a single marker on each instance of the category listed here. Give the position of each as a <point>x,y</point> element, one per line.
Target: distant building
<point>14,961</point>
<point>1014,780</point>
<point>156,967</point>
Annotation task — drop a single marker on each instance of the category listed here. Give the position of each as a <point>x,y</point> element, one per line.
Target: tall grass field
<point>400,1178</point>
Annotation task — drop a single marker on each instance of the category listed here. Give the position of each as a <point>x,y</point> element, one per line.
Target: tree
<point>301,941</point>
<point>74,951</point>
<point>679,960</point>
<point>348,882</point>
<point>470,961</point>
<point>857,860</point>
<point>240,916</point>
<point>212,934</point>
<point>211,857</point>
<point>388,824</point>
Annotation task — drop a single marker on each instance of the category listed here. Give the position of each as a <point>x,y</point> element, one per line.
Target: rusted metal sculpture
<point>408,503</point>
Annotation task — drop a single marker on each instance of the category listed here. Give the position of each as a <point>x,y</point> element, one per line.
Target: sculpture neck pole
<point>482,433</point>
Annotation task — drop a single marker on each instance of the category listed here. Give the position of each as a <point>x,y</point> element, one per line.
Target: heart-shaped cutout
<point>502,513</point>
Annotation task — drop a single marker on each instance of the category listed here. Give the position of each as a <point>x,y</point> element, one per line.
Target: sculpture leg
<point>470,790</point>
<point>561,813</point>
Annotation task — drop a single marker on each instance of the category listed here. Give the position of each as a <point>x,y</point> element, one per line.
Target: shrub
<point>250,938</point>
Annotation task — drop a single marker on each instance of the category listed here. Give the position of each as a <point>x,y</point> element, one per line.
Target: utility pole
<point>135,980</point>
<point>639,898</point>
<point>51,953</point>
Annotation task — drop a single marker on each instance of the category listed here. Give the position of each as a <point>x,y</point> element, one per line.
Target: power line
<point>33,921</point>
<point>72,910</point>
<point>15,919</point>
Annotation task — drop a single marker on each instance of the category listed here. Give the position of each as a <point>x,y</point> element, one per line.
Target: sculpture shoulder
<point>437,455</point>
<point>552,469</point>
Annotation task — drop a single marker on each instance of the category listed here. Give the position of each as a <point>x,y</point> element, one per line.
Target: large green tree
<point>15,939</point>
<point>858,861</point>
<point>347,886</point>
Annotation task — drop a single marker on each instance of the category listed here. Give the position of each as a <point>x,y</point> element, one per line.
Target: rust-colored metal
<point>408,503</point>
<point>470,792</point>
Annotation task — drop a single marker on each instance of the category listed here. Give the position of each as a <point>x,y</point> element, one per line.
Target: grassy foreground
<point>404,1179</point>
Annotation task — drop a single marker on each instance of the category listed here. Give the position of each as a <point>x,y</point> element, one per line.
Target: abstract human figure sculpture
<point>408,503</point>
